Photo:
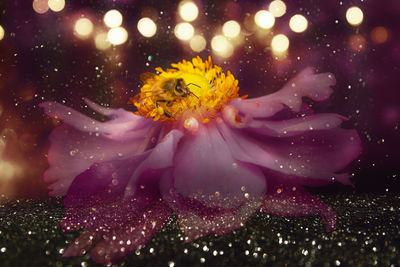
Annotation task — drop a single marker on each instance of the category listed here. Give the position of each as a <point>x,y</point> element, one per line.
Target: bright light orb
<point>101,41</point>
<point>188,11</point>
<point>184,31</point>
<point>56,5</point>
<point>298,23</point>
<point>231,29</point>
<point>2,33</point>
<point>113,18</point>
<point>379,35</point>
<point>277,8</point>
<point>221,46</point>
<point>40,6</point>
<point>117,36</point>
<point>198,43</point>
<point>264,19</point>
<point>354,16</point>
<point>83,27</point>
<point>147,27</point>
<point>279,43</point>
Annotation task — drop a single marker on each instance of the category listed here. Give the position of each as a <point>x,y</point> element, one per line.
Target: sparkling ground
<point>368,233</point>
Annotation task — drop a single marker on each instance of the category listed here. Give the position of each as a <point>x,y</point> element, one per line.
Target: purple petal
<point>82,244</point>
<point>197,220</point>
<point>75,148</point>
<point>294,201</point>
<point>205,170</point>
<point>306,83</point>
<point>313,154</point>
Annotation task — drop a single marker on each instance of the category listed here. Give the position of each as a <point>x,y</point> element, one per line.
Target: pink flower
<point>194,148</point>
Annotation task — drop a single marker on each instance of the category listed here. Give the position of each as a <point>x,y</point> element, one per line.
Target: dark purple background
<point>41,59</point>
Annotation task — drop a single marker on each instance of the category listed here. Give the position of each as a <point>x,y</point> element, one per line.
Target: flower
<point>196,149</point>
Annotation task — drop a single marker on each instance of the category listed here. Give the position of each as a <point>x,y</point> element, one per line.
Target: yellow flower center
<point>191,89</point>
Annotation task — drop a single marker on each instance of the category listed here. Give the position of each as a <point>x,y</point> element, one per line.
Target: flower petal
<point>313,154</point>
<point>306,83</point>
<point>205,170</point>
<point>197,220</point>
<point>294,201</point>
<point>75,148</point>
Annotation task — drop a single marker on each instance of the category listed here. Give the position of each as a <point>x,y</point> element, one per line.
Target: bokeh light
<point>277,8</point>
<point>188,11</point>
<point>354,16</point>
<point>357,42</point>
<point>231,29</point>
<point>298,23</point>
<point>117,36</point>
<point>264,19</point>
<point>56,5</point>
<point>40,6</point>
<point>147,27</point>
<point>113,18</point>
<point>83,27</point>
<point>2,32</point>
<point>279,44</point>
<point>101,41</point>
<point>184,31</point>
<point>378,35</point>
<point>221,46</point>
<point>198,43</point>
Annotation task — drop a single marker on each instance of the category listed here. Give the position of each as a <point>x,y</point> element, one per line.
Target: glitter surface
<point>366,235</point>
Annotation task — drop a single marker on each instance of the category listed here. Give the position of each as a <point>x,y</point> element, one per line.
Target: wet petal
<point>306,83</point>
<point>313,154</point>
<point>205,170</point>
<point>294,201</point>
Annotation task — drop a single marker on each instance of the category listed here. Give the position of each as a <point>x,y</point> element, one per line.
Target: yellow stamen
<point>208,91</point>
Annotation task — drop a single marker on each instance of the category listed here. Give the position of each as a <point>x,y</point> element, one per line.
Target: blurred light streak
<point>298,23</point>
<point>40,6</point>
<point>221,46</point>
<point>184,31</point>
<point>56,5</point>
<point>198,43</point>
<point>277,8</point>
<point>231,29</point>
<point>264,19</point>
<point>188,11</point>
<point>379,35</point>
<point>147,27</point>
<point>113,18</point>
<point>117,36</point>
<point>354,16</point>
<point>83,27</point>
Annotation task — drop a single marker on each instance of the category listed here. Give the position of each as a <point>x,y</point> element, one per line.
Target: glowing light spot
<point>113,18</point>
<point>279,43</point>
<point>357,42</point>
<point>147,27</point>
<point>8,170</point>
<point>83,27</point>
<point>2,33</point>
<point>221,46</point>
<point>191,124</point>
<point>198,43</point>
<point>40,6</point>
<point>56,5</point>
<point>298,23</point>
<point>354,16</point>
<point>264,19</point>
<point>101,41</point>
<point>231,29</point>
<point>379,35</point>
<point>117,36</point>
<point>277,8</point>
<point>184,31</point>
<point>188,11</point>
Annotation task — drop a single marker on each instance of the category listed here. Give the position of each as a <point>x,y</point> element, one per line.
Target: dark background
<point>41,59</point>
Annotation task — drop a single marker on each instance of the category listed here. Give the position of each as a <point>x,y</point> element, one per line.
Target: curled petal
<point>294,201</point>
<point>306,83</point>
<point>205,170</point>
